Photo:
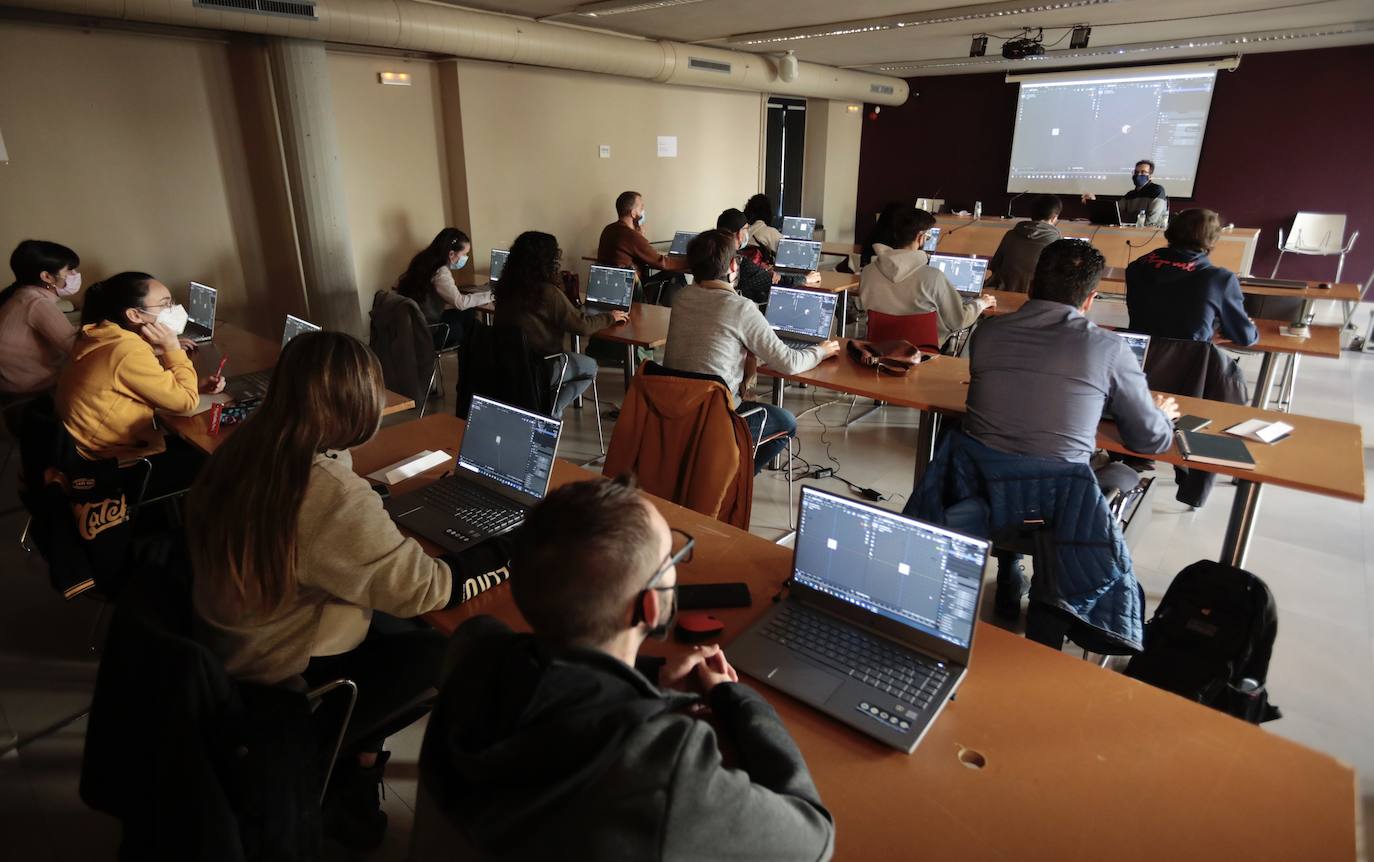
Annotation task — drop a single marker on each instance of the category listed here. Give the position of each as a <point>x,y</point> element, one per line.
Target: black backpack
<point>1210,640</point>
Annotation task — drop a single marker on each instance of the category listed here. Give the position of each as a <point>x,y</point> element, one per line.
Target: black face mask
<point>660,631</point>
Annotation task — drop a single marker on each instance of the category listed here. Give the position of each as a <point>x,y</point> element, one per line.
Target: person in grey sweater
<point>714,330</point>
<point>1013,264</point>
<point>567,743</point>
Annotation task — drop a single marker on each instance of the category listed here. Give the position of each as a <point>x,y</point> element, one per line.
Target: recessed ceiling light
<point>620,7</point>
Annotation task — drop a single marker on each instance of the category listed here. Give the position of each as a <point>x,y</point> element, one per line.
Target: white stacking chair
<point>1316,234</point>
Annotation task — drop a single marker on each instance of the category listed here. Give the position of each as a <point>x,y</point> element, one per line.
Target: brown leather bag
<point>888,357</point>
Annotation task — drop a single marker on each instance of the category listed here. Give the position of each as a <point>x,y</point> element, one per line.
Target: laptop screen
<point>796,227</point>
<point>295,326</point>
<point>798,254</point>
<point>965,273</point>
<point>511,446</point>
<point>801,312</point>
<point>680,240</point>
<point>920,575</point>
<point>1139,344</point>
<point>498,263</point>
<point>932,239</point>
<point>609,285</point>
<point>201,311</point>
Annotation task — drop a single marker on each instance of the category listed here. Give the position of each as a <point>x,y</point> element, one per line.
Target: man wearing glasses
<point>566,743</point>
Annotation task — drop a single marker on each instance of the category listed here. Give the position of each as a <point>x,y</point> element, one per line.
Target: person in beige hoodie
<point>899,280</point>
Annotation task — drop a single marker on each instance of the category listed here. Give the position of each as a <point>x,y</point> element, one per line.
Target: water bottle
<point>1140,219</point>
<point>977,209</point>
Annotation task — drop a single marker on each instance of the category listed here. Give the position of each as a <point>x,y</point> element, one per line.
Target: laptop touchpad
<point>798,677</point>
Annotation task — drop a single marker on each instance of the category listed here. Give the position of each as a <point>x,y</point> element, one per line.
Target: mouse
<point>698,627</point>
<point>1323,286</point>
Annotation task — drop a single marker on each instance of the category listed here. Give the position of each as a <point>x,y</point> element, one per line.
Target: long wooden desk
<point>1321,457</point>
<point>647,327</point>
<point>247,353</point>
<point>1075,759</point>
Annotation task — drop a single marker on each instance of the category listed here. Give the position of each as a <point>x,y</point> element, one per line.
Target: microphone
<point>1013,200</point>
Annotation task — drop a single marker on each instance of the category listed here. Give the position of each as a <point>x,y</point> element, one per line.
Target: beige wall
<point>831,173</point>
<point>531,135</point>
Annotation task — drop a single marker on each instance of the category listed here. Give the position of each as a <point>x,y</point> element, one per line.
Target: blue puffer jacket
<point>977,489</point>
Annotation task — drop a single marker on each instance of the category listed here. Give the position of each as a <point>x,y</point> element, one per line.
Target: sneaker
<point>353,814</point>
<point>1011,586</point>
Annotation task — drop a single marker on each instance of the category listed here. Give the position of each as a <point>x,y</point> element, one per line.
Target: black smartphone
<point>1191,423</point>
<point>698,597</point>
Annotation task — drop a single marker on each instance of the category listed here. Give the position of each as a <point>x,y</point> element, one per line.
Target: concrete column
<point>831,181</point>
<point>310,150</point>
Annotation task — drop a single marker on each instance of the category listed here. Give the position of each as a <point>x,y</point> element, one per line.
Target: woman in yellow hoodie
<point>126,364</point>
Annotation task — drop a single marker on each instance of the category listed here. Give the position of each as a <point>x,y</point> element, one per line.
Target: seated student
<point>714,330</point>
<point>1013,264</point>
<point>901,281</point>
<point>758,211</point>
<point>530,296</point>
<point>35,336</point>
<point>293,552</point>
<point>567,743</point>
<point>1177,292</point>
<point>623,244</point>
<point>1042,377</point>
<point>882,230</point>
<point>127,363</point>
<point>429,281</point>
<point>755,279</point>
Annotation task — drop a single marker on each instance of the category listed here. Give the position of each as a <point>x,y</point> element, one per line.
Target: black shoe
<point>353,814</point>
<point>1011,586</point>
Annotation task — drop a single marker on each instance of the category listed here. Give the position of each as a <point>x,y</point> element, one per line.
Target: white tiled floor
<point>1316,554</point>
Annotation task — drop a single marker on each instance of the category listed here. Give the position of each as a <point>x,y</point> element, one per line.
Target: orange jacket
<point>681,439</point>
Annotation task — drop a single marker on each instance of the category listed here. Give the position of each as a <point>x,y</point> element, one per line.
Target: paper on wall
<point>667,146</point>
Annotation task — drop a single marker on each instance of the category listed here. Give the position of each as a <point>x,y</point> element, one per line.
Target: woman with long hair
<point>759,212</point>
<point>35,336</point>
<point>293,552</point>
<point>531,297</point>
<point>429,281</point>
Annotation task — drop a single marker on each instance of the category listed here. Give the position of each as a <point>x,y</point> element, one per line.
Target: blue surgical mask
<point>1140,180</point>
<point>459,263</point>
<point>643,217</point>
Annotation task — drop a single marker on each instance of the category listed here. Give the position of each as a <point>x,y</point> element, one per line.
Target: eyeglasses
<point>161,306</point>
<point>682,553</point>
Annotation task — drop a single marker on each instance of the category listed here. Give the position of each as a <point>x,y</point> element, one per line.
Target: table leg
<point>1241,526</point>
<point>629,366</point>
<point>777,391</point>
<point>926,426</point>
<point>577,348</point>
<point>1290,383</point>
<point>1266,379</point>
<point>844,313</point>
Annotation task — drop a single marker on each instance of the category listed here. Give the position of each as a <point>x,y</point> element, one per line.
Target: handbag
<point>887,357</point>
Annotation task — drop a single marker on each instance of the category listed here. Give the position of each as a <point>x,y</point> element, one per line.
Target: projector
<point>1019,49</point>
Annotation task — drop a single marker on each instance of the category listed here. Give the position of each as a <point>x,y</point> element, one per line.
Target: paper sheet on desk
<point>206,402</point>
<point>392,474</point>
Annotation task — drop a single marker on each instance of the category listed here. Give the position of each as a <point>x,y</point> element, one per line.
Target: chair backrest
<point>922,330</point>
<point>1316,233</point>
<point>496,363</point>
<point>399,335</point>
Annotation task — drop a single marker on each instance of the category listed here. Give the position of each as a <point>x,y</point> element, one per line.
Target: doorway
<point>784,154</point>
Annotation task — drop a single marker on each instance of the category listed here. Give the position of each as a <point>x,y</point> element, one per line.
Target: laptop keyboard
<point>247,386</point>
<point>478,513</point>
<point>797,343</point>
<point>908,677</point>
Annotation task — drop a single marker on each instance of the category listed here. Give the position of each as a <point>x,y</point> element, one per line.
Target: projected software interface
<point>798,254</point>
<point>509,445</point>
<point>1139,344</point>
<point>498,263</point>
<point>932,239</point>
<point>965,273</point>
<point>295,326</point>
<point>610,286</point>
<point>201,310</point>
<point>919,575</point>
<point>800,312</point>
<point>680,240</point>
<point>796,227</point>
<point>1085,134</point>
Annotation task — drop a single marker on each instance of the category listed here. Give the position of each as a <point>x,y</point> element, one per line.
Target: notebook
<point>1261,431</point>
<point>1214,449</point>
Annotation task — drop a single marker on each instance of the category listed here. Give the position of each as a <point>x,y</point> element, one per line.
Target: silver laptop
<point>680,240</point>
<point>1139,344</point>
<point>200,312</point>
<point>504,466</point>
<point>798,255</point>
<point>965,273</point>
<point>796,227</point>
<point>878,625</point>
<point>498,263</point>
<point>800,318</point>
<point>610,288</point>
<point>246,387</point>
<point>1290,283</point>
<point>932,239</point>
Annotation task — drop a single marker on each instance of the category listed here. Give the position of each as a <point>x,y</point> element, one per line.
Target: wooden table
<point>247,353</point>
<point>1114,281</point>
<point>647,327</point>
<point>1321,457</point>
<point>834,281</point>
<point>1078,762</point>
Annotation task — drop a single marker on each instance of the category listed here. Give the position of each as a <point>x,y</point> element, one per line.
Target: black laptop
<point>498,263</point>
<point>800,318</point>
<point>877,628</point>
<point>796,227</point>
<point>610,288</point>
<point>965,273</point>
<point>1104,212</point>
<point>680,240</point>
<point>246,387</point>
<point>200,312</point>
<point>798,255</point>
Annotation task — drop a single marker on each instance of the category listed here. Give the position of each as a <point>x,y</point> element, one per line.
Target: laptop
<point>610,288</point>
<point>498,263</point>
<point>1139,344</point>
<point>932,239</point>
<point>796,227</point>
<point>1105,212</point>
<point>1290,283</point>
<point>504,466</point>
<point>800,318</point>
<point>200,312</point>
<point>878,624</point>
<point>680,240</point>
<point>798,255</point>
<point>965,273</point>
<point>246,387</point>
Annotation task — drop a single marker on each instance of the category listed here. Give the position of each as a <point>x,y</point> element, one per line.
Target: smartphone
<point>696,597</point>
<point>1191,423</point>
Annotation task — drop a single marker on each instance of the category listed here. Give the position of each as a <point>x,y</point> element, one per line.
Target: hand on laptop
<point>188,345</point>
<point>829,348</point>
<point>620,316</point>
<point>987,301</point>
<point>1167,404</point>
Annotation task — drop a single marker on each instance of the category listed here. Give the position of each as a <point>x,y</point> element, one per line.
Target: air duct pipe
<point>409,25</point>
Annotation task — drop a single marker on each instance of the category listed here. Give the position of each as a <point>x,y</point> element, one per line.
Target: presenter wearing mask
<point>1146,195</point>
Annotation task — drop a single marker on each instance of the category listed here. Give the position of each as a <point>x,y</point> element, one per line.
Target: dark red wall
<point>1287,131</point>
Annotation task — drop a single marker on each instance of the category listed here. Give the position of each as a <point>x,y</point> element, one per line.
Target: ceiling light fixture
<point>951,15</point>
<point>620,7</point>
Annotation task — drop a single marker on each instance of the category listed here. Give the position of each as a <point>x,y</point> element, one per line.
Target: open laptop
<point>965,273</point>
<point>800,318</point>
<point>1289,283</point>
<point>680,240</point>
<point>932,239</point>
<point>504,466</point>
<point>498,263</point>
<point>796,227</point>
<point>200,312</point>
<point>610,288</point>
<point>1105,212</point>
<point>878,624</point>
<point>798,255</point>
<point>245,387</point>
<point>1139,344</point>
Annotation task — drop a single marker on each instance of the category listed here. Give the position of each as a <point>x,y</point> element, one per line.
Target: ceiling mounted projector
<point>1019,49</point>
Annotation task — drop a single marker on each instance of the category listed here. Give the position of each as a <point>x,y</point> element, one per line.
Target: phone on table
<point>1191,423</point>
<point>694,597</point>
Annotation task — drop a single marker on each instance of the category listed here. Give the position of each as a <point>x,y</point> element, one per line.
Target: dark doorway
<point>785,152</point>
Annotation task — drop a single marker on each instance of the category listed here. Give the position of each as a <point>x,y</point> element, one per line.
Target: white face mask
<point>72,285</point>
<point>173,318</point>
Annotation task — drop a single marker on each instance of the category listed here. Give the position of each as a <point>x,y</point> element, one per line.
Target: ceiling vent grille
<point>708,65</point>
<point>301,9</point>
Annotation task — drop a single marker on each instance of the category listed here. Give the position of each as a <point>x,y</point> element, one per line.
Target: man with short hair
<point>714,330</point>
<point>567,743</point>
<point>900,280</point>
<point>1145,194</point>
<point>1013,264</point>
<point>756,280</point>
<point>623,244</point>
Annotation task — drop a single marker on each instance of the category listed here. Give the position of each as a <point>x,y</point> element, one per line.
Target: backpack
<point>1210,640</point>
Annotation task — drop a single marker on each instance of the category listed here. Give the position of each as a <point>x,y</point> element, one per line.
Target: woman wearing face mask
<point>127,363</point>
<point>429,281</point>
<point>35,336</point>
